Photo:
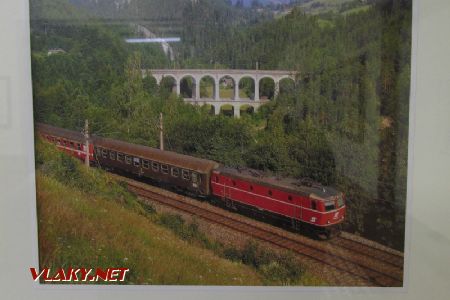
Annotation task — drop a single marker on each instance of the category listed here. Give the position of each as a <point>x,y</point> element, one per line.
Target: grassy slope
<point>87,219</point>
<point>79,229</point>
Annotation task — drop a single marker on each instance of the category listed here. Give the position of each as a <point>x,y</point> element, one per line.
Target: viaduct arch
<point>218,76</point>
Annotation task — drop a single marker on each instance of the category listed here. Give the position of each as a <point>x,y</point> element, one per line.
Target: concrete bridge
<point>222,76</point>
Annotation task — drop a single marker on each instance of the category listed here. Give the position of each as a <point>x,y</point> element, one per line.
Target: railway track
<point>391,258</point>
<point>352,258</point>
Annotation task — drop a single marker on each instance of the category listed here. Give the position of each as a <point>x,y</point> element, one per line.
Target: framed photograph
<point>221,143</point>
<point>203,151</point>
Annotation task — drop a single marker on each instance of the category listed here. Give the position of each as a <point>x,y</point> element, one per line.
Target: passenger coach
<point>69,141</point>
<point>182,171</point>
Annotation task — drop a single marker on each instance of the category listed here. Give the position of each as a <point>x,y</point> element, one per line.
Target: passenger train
<point>305,204</point>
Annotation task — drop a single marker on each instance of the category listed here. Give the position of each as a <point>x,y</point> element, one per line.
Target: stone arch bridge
<point>218,76</point>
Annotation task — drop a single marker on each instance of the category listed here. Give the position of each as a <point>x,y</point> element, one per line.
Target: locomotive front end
<point>331,212</point>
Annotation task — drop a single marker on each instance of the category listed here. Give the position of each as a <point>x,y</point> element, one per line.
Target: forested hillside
<point>165,17</point>
<point>344,124</point>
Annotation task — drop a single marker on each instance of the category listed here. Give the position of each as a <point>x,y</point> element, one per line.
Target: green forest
<point>344,123</point>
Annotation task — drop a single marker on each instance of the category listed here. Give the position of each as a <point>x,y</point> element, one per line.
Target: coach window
<point>120,156</point>
<point>58,141</point>
<point>79,146</point>
<point>216,178</point>
<point>194,178</point>
<point>270,193</point>
<point>234,183</point>
<point>155,166</point>
<point>290,198</point>
<point>112,155</point>
<point>136,161</point>
<point>146,164</point>
<point>72,145</point>
<point>104,153</point>
<point>185,174</point>
<point>251,188</point>
<point>175,172</point>
<point>128,159</point>
<point>165,169</point>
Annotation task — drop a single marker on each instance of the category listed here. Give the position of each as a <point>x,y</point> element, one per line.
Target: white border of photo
<point>427,259</point>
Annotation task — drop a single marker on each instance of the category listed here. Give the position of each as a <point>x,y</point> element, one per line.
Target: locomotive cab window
<point>112,155</point>
<point>165,169</point>
<point>155,166</point>
<point>145,164</point>
<point>175,172</point>
<point>329,206</point>
<point>185,174</point>
<point>313,205</point>
<point>136,161</point>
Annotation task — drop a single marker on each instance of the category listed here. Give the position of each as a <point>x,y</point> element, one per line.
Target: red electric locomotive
<point>320,207</point>
<point>305,204</point>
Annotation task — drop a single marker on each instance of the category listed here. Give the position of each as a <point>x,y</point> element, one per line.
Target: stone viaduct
<point>217,77</point>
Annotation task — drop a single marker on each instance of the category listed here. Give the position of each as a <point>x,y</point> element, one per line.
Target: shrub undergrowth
<point>275,268</point>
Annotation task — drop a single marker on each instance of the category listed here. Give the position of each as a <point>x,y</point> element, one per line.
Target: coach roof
<point>59,132</point>
<point>166,157</point>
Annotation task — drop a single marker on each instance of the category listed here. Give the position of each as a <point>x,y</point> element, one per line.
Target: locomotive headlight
<point>328,222</point>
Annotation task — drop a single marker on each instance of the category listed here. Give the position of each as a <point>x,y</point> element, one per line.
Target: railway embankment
<point>87,219</point>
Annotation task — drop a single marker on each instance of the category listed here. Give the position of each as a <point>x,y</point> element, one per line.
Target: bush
<point>275,268</point>
<point>72,172</point>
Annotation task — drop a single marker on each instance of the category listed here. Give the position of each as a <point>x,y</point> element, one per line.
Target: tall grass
<point>87,219</point>
<point>71,172</point>
<point>275,268</point>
